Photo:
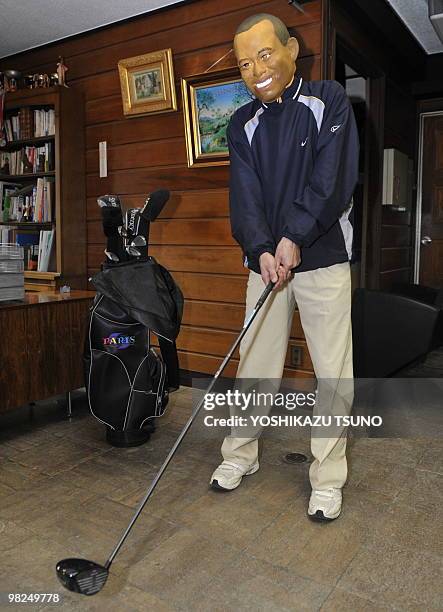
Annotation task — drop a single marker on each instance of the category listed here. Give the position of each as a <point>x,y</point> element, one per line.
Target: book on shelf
<point>45,247</point>
<point>44,122</point>
<point>29,159</point>
<point>6,189</point>
<point>6,234</point>
<point>26,124</point>
<point>32,203</point>
<point>29,239</point>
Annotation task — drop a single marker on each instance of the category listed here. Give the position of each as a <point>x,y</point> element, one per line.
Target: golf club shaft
<point>194,414</point>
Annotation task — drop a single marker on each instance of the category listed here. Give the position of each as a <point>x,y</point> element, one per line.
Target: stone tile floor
<point>65,492</point>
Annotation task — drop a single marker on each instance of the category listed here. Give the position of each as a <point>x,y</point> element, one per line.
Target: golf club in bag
<point>127,381</point>
<point>87,577</point>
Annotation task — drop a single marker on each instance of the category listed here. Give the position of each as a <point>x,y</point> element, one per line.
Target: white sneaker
<point>325,505</point>
<point>228,475</point>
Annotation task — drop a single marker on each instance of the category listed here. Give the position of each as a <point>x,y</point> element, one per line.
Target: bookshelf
<point>53,162</point>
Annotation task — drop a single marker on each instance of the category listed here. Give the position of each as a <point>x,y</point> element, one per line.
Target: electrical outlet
<point>296,355</point>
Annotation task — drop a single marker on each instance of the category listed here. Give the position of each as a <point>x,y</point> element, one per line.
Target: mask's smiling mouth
<point>264,83</point>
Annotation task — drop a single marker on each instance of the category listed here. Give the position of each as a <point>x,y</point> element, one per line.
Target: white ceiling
<point>25,24</point>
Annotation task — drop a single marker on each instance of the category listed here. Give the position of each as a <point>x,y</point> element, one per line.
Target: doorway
<point>428,269</point>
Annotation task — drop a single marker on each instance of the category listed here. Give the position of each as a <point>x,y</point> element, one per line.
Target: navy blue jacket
<point>294,167</point>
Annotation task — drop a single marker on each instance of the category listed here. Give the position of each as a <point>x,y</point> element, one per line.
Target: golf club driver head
<point>133,251</point>
<point>139,241</point>
<point>112,256</point>
<point>82,576</point>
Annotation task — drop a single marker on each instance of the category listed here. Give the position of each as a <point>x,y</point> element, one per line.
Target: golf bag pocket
<point>125,378</point>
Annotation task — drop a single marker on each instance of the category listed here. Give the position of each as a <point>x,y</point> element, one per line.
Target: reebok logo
<point>334,128</point>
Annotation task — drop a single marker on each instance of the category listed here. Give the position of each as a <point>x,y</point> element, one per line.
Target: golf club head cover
<point>111,220</point>
<point>154,204</point>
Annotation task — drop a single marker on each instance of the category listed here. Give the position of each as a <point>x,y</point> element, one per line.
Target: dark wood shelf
<point>25,141</point>
<point>30,224</point>
<point>26,97</point>
<point>21,177</point>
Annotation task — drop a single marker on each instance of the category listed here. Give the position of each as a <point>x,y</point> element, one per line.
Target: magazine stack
<point>12,285</point>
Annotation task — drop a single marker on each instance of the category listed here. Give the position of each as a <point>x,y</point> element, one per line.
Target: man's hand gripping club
<point>278,268</point>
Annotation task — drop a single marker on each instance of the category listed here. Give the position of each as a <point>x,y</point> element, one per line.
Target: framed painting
<point>147,83</point>
<point>209,100</point>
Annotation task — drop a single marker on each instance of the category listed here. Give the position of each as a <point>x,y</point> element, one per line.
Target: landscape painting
<point>208,108</point>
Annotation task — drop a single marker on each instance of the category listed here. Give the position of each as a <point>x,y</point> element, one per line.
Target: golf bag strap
<point>169,354</point>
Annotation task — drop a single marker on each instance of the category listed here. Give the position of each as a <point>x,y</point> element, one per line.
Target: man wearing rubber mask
<point>294,166</point>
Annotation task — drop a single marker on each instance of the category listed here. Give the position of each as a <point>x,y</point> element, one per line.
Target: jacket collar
<point>291,92</point>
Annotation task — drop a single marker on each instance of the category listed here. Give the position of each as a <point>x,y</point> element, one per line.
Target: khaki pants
<point>323,297</point>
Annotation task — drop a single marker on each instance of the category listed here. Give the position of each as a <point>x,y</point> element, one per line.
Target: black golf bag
<point>128,381</point>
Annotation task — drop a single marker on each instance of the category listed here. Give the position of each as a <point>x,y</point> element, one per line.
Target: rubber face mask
<point>266,65</point>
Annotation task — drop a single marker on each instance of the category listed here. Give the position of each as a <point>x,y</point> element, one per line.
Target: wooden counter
<point>42,346</point>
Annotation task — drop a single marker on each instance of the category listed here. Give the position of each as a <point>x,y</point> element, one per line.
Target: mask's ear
<point>293,47</point>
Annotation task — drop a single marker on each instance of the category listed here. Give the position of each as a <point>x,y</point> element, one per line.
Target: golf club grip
<point>188,424</point>
<point>264,295</point>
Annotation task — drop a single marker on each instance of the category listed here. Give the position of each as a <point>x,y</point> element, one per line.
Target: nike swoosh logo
<point>304,142</point>
<point>334,128</point>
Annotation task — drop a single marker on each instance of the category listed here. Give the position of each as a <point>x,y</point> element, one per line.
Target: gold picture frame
<point>147,84</point>
<point>209,100</point>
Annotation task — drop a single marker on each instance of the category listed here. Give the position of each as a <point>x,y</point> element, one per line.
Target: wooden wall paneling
<point>389,278</point>
<point>145,180</point>
<point>206,232</point>
<point>225,316</point>
<point>197,362</point>
<point>217,260</point>
<point>395,236</point>
<point>200,259</point>
<point>140,155</point>
<point>394,258</point>
<point>137,129</point>
<point>219,287</point>
<point>213,203</point>
<point>218,342</point>
<point>396,217</point>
